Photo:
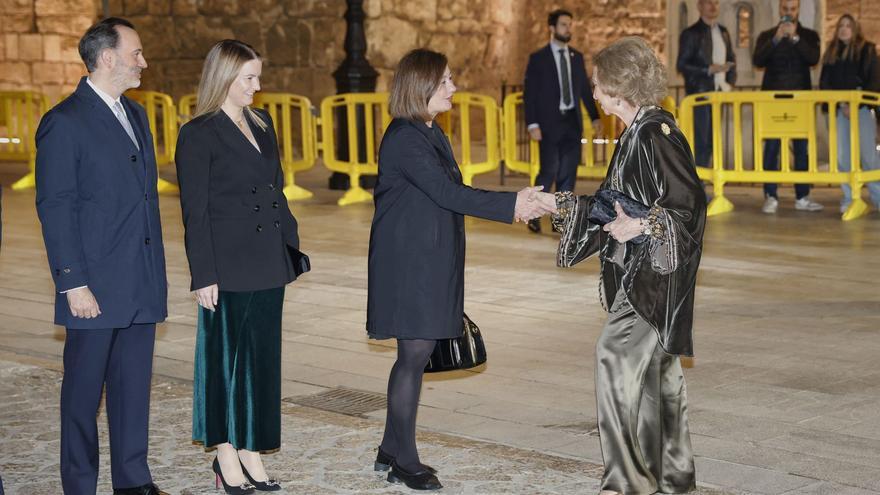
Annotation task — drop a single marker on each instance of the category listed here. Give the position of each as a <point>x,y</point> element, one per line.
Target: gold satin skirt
<point>641,399</point>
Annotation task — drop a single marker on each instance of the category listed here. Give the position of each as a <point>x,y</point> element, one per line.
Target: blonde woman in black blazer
<point>238,229</point>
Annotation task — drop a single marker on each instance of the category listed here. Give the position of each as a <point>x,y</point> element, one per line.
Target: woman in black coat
<point>417,247</point>
<point>238,229</point>
<point>850,63</point>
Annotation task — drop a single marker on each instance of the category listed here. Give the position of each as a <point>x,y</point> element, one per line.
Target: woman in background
<point>850,62</point>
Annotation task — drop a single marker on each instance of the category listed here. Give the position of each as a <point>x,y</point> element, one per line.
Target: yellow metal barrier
<point>281,108</point>
<point>186,107</point>
<point>20,113</point>
<point>462,113</point>
<point>590,167</point>
<point>372,108</point>
<point>512,113</point>
<point>786,116</point>
<point>162,118</point>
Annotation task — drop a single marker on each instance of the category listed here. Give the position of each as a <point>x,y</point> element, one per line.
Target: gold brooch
<point>665,128</point>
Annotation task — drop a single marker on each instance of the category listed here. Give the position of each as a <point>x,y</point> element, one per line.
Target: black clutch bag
<point>460,353</point>
<point>602,210</point>
<point>300,260</point>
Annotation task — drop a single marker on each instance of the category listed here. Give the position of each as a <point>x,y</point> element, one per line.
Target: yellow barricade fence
<point>162,118</point>
<point>372,110</point>
<point>186,107</point>
<point>281,107</point>
<point>783,115</point>
<point>512,113</point>
<point>467,137</point>
<point>20,113</point>
<point>478,144</point>
<point>514,118</point>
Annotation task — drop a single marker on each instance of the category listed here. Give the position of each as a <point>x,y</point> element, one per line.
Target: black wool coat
<point>417,242</point>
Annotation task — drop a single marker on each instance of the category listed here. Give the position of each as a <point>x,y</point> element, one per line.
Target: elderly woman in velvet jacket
<point>649,264</point>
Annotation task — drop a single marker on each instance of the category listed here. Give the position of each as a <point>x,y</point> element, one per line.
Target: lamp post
<point>354,75</point>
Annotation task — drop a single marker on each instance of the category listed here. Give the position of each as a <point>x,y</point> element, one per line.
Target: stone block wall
<point>300,39</point>
<point>38,44</point>
<point>865,11</point>
<point>487,41</point>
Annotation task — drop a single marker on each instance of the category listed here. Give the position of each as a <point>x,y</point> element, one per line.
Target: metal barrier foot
<point>165,187</point>
<point>356,194</point>
<point>858,208</point>
<point>719,205</point>
<point>29,181</point>
<point>294,193</point>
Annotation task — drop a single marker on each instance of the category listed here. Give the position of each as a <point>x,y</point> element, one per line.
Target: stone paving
<point>784,393</point>
<point>322,452</point>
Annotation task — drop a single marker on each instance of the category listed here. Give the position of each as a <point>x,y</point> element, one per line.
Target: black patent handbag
<point>460,353</point>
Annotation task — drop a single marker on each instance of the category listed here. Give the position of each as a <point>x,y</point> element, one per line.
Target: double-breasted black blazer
<point>417,242</point>
<point>237,222</point>
<point>542,94</point>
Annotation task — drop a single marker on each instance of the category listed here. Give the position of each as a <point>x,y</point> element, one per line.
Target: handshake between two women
<point>531,203</point>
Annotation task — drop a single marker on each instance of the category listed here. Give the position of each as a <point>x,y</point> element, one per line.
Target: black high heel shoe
<point>243,489</point>
<point>270,485</point>
<point>421,480</point>
<point>384,460</point>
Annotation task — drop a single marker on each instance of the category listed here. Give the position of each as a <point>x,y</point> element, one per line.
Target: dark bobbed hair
<point>554,16</point>
<point>415,81</point>
<point>99,37</point>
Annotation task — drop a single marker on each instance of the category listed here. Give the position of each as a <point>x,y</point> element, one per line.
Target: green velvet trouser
<point>237,385</point>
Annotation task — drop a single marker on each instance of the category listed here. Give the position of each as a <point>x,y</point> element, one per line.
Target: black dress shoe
<point>148,489</point>
<point>535,225</point>
<point>270,485</point>
<point>421,480</point>
<point>384,460</point>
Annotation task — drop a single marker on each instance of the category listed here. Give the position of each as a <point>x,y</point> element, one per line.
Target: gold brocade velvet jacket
<point>654,165</point>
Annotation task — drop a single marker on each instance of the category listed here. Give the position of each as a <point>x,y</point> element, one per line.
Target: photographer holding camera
<point>786,53</point>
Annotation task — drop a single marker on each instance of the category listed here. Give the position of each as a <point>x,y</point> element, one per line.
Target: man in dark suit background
<point>98,205</point>
<point>707,62</point>
<point>556,82</point>
<point>786,53</point>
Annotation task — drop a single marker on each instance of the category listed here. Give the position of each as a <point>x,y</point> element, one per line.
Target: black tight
<point>404,387</point>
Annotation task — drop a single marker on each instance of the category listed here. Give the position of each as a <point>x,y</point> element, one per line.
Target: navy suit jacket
<point>542,93</point>
<point>98,204</point>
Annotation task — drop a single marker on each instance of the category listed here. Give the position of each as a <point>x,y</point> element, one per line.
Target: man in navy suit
<point>556,82</point>
<point>98,204</point>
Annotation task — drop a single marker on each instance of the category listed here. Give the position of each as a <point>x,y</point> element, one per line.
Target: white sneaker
<point>807,204</point>
<point>771,204</point>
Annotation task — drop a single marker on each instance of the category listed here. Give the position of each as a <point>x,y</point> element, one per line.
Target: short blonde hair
<point>629,69</point>
<point>222,65</point>
<point>416,79</point>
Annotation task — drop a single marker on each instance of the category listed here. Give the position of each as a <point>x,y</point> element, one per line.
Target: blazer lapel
<point>119,138</point>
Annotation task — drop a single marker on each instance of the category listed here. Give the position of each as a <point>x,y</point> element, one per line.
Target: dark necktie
<point>566,79</point>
